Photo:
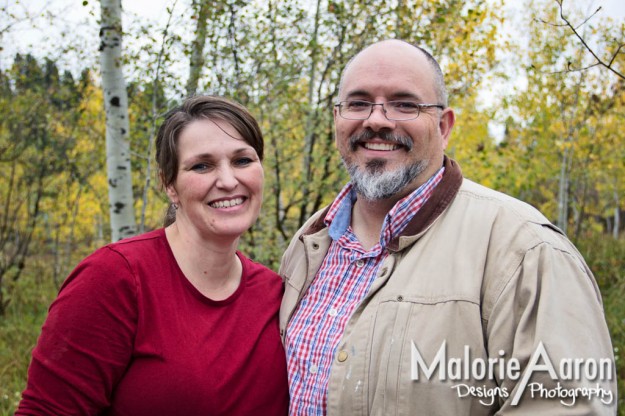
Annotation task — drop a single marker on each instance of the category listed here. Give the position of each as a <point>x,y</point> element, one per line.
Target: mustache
<point>385,135</point>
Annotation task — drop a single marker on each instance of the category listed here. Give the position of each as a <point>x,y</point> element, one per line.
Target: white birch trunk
<point>117,126</point>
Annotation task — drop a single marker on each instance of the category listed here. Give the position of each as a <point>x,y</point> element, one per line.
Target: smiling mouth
<point>382,141</point>
<point>385,147</point>
<point>227,203</point>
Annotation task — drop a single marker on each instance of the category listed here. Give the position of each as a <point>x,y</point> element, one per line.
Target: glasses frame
<point>420,106</point>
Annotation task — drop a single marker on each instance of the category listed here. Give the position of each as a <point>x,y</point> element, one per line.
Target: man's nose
<point>377,119</point>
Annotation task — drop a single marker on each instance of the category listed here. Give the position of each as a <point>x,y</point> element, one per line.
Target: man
<point>420,292</point>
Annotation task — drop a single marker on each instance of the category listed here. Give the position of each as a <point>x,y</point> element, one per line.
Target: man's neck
<point>368,219</point>
<point>368,216</point>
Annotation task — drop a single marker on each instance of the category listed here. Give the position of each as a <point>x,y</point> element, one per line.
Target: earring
<point>175,206</point>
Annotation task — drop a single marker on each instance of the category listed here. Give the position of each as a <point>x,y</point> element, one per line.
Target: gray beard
<point>374,183</point>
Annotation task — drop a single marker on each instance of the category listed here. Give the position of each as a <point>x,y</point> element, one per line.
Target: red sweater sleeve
<point>86,341</point>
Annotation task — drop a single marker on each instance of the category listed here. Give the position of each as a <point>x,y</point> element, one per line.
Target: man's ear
<point>446,124</point>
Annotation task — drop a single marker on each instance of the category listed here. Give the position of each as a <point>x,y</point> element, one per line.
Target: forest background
<point>539,117</point>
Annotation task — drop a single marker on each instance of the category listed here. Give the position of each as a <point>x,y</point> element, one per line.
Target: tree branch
<point>600,62</point>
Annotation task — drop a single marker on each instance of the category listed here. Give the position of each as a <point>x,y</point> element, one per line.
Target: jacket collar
<point>443,195</point>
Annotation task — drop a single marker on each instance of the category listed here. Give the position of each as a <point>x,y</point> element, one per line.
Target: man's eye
<point>357,105</point>
<point>404,106</point>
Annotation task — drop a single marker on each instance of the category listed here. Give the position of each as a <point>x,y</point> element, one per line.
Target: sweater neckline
<point>194,291</point>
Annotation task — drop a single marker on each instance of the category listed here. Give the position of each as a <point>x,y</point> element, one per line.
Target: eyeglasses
<point>393,110</point>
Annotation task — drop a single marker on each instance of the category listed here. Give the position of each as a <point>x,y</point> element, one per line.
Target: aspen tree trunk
<point>117,125</point>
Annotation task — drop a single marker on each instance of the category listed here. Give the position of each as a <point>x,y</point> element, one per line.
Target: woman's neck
<point>212,267</point>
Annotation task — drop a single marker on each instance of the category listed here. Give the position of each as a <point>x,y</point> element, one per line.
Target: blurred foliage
<point>606,258</point>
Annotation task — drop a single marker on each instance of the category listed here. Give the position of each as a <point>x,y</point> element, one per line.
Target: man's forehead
<point>401,78</point>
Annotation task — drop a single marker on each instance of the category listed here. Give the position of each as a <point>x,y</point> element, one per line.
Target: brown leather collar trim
<point>440,199</point>
<point>318,225</point>
<point>443,194</point>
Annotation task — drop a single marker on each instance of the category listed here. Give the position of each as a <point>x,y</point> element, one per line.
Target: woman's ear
<point>169,189</point>
<point>172,194</point>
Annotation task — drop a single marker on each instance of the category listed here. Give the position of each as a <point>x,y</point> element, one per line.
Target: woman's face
<point>219,185</point>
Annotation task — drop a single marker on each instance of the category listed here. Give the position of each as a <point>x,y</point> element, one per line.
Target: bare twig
<point>599,62</point>
<point>155,89</point>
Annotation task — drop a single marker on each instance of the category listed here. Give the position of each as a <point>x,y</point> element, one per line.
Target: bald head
<point>387,50</point>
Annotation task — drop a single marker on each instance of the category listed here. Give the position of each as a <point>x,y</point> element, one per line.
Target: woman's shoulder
<point>148,240</point>
<point>125,255</point>
<point>150,247</point>
<point>258,271</point>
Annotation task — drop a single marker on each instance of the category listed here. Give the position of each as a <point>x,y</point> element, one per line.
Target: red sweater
<point>129,335</point>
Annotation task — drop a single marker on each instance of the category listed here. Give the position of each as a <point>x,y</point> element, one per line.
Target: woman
<point>175,321</point>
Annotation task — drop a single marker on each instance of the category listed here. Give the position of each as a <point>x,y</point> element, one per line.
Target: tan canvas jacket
<point>477,275</point>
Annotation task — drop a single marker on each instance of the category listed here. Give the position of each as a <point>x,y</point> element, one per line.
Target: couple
<point>411,268</point>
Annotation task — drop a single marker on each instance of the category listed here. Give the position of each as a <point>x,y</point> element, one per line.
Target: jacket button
<point>400,298</point>
<point>341,356</point>
<point>315,246</point>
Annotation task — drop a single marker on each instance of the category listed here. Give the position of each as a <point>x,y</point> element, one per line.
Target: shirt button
<point>360,263</point>
<point>333,312</point>
<point>313,369</point>
<point>342,356</point>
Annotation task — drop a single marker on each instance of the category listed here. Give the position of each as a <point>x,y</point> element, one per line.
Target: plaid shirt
<point>341,283</point>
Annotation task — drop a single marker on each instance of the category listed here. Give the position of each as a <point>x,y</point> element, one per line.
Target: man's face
<point>387,158</point>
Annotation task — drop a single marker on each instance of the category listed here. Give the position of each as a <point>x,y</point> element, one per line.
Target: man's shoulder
<point>486,197</point>
<point>499,214</point>
<point>314,225</point>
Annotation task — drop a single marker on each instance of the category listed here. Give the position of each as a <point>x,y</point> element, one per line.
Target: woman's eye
<point>244,161</point>
<point>198,167</point>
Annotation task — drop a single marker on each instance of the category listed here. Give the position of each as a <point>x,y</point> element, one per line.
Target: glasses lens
<point>355,110</point>
<point>402,110</point>
<point>393,110</point>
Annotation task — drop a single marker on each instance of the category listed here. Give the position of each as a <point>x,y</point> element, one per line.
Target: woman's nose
<point>226,178</point>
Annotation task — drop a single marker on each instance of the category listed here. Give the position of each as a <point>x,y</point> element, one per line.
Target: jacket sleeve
<point>86,341</point>
<point>549,314</point>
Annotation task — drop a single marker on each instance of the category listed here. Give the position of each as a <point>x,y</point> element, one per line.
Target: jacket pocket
<point>412,341</point>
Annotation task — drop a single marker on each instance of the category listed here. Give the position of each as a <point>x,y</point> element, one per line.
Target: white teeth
<point>381,146</point>
<point>227,203</point>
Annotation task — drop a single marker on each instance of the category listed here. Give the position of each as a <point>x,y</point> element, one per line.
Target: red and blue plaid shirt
<point>341,283</point>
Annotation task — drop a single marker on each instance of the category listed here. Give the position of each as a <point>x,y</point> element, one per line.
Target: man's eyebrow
<point>406,95</point>
<point>357,93</point>
<point>400,95</point>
